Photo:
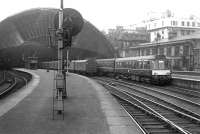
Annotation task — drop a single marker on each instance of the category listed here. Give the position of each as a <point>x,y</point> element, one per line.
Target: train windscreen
<point>159,65</point>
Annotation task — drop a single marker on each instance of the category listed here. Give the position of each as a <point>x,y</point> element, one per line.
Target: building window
<point>154,24</point>
<point>182,32</point>
<point>127,44</point>
<point>137,52</point>
<point>162,23</point>
<point>169,51</point>
<point>134,44</point>
<point>182,23</point>
<point>193,24</point>
<point>174,23</point>
<point>124,44</point>
<point>154,51</point>
<point>181,51</point>
<point>185,50</point>
<point>147,51</point>
<point>142,52</point>
<point>162,31</point>
<point>165,51</point>
<point>151,51</point>
<point>193,31</point>
<point>161,51</point>
<point>198,24</point>
<point>172,51</point>
<point>177,50</point>
<point>188,23</point>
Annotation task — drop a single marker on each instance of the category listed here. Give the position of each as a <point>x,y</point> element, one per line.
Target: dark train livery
<point>151,69</point>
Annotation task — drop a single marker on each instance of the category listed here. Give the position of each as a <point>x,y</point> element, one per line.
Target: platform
<point>186,77</point>
<point>89,109</point>
<point>186,81</point>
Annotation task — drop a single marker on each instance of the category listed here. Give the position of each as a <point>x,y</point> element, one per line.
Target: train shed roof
<point>27,34</point>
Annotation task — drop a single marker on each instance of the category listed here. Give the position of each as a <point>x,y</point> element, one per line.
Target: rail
<point>128,85</point>
<point>146,108</point>
<point>18,81</point>
<point>196,120</point>
<point>8,88</point>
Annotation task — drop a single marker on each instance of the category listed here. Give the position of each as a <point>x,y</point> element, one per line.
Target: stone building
<point>122,38</point>
<point>183,52</point>
<point>171,27</point>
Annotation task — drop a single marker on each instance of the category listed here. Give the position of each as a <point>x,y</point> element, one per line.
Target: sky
<point>105,14</point>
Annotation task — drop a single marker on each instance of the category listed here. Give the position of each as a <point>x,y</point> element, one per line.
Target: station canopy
<point>27,34</point>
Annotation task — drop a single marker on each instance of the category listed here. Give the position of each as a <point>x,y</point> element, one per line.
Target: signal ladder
<point>58,101</point>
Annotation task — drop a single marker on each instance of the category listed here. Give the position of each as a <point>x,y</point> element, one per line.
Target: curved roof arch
<point>29,29</point>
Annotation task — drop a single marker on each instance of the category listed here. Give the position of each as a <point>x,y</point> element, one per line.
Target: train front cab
<point>161,74</point>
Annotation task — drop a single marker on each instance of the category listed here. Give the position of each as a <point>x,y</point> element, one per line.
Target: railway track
<point>180,103</point>
<point>176,121</point>
<point>6,87</point>
<point>183,91</point>
<point>173,89</point>
<point>14,82</point>
<point>188,92</point>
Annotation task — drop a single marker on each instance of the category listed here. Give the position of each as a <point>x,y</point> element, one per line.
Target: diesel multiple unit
<point>151,69</point>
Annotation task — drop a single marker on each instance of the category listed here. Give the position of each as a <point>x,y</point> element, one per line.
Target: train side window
<point>140,65</point>
<point>155,64</point>
<point>125,64</point>
<point>132,64</point>
<point>117,64</point>
<point>129,64</point>
<point>151,64</point>
<point>146,64</point>
<point>121,64</point>
<point>136,65</point>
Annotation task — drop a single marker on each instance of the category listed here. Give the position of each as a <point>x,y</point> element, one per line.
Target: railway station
<point>60,74</point>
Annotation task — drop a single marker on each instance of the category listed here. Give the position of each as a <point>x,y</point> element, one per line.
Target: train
<point>150,69</point>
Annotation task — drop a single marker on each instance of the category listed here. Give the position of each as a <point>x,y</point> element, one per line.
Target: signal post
<point>68,23</point>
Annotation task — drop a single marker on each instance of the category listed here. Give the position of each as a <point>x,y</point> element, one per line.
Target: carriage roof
<point>79,61</point>
<point>136,58</point>
<point>99,60</point>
